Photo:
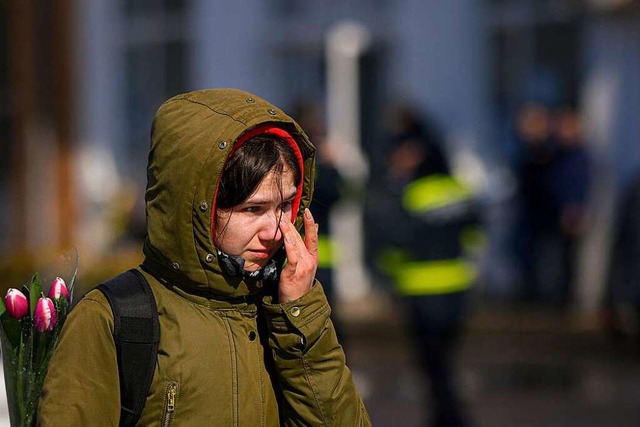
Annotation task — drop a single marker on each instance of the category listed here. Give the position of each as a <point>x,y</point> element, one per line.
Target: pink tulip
<point>58,288</point>
<point>16,303</point>
<point>45,315</point>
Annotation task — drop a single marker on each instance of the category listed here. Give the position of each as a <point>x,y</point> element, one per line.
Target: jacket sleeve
<point>82,386</point>
<point>317,387</point>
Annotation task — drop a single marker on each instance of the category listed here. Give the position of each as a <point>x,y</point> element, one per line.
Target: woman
<point>245,336</point>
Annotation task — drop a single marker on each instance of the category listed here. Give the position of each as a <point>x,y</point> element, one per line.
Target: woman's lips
<point>260,253</point>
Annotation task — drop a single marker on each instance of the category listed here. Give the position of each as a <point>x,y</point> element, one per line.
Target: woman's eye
<point>251,209</point>
<point>286,205</point>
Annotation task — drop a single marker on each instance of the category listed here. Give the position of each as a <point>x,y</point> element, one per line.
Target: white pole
<point>345,44</point>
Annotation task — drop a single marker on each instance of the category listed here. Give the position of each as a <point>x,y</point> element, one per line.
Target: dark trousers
<point>435,323</point>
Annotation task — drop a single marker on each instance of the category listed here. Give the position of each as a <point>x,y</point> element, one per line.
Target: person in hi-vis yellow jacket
<point>427,216</point>
<point>432,276</point>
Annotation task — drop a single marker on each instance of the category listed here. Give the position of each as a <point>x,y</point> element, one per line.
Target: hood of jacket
<point>191,138</point>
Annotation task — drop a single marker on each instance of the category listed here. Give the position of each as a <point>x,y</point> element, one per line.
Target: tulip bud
<point>45,315</point>
<point>16,303</point>
<point>58,288</point>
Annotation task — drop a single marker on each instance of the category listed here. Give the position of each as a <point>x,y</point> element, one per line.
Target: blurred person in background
<point>326,194</point>
<point>554,180</point>
<point>536,217</point>
<point>570,185</point>
<point>427,213</point>
<point>406,132</point>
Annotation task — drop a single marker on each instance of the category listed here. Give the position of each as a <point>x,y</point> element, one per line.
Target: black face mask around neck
<point>233,265</point>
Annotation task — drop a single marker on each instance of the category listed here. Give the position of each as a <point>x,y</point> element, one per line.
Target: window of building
<point>157,51</point>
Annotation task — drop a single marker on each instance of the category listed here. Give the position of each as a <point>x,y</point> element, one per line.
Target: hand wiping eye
<point>302,258</point>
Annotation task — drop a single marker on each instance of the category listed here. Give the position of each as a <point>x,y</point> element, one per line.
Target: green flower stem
<point>42,353</point>
<point>20,378</point>
<point>26,375</point>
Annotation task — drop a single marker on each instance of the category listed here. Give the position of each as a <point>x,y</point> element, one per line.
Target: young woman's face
<point>251,229</point>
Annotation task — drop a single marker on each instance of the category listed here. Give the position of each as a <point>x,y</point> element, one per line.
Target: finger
<point>310,233</point>
<point>291,238</point>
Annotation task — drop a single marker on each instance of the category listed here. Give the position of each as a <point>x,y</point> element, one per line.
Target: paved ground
<point>516,369</point>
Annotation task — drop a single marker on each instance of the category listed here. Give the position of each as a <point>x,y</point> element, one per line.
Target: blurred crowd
<point>553,174</point>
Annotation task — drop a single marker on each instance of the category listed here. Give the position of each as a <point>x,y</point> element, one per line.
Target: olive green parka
<point>229,354</point>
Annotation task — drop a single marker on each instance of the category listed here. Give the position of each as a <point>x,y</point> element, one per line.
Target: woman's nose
<point>270,227</point>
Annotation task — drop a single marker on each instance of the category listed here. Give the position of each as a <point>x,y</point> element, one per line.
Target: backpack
<point>136,332</point>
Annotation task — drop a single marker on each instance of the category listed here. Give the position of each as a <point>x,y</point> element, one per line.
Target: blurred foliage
<point>106,267</point>
<point>17,268</point>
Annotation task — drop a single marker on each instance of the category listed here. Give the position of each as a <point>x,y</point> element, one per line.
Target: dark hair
<point>248,166</point>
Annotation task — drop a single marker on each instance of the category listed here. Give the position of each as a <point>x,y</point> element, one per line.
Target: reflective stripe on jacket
<point>442,203</point>
<point>433,277</point>
<point>327,251</point>
<point>433,192</point>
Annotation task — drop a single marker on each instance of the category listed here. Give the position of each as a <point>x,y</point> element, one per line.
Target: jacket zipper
<point>170,405</point>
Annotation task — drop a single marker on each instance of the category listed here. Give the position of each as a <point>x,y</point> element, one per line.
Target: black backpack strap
<point>136,333</point>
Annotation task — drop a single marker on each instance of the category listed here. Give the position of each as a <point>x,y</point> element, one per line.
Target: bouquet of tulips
<point>31,319</point>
